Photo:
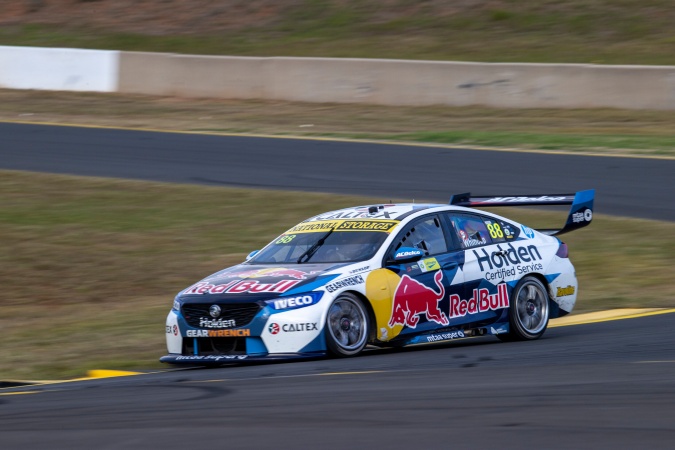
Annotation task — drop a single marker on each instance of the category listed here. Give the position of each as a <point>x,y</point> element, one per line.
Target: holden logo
<point>274,328</point>
<point>214,310</point>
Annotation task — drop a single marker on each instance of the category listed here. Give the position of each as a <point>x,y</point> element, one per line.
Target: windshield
<point>337,246</point>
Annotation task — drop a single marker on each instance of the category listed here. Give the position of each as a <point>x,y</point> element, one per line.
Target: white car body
<point>460,280</point>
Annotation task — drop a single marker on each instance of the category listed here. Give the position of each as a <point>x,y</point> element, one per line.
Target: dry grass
<point>90,266</point>
<point>595,31</point>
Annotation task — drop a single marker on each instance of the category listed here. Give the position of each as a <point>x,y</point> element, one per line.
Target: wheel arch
<point>372,332</point>
<point>554,309</point>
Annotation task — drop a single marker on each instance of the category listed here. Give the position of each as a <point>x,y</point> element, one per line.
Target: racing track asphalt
<point>635,187</point>
<point>602,385</point>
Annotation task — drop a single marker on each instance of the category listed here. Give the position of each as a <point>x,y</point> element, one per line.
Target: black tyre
<point>529,311</point>
<point>347,326</point>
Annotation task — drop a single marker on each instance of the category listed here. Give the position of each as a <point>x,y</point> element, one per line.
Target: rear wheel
<point>529,311</point>
<point>347,326</point>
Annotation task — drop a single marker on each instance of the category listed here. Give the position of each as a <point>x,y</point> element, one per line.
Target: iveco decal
<point>299,301</point>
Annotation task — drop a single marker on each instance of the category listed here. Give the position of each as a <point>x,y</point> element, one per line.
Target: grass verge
<point>584,31</point>
<point>90,266</point>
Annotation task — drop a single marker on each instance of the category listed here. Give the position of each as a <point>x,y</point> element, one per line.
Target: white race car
<point>383,275</point>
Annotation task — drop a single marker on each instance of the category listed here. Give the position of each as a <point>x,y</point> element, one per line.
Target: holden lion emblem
<point>214,310</point>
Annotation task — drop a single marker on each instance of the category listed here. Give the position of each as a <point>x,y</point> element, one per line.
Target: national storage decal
<point>384,226</point>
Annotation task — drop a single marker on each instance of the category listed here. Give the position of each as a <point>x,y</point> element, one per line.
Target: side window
<point>425,234</point>
<point>471,230</point>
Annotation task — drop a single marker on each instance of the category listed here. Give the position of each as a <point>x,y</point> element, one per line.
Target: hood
<point>258,282</point>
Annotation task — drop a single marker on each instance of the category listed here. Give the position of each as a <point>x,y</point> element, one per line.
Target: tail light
<point>562,251</point>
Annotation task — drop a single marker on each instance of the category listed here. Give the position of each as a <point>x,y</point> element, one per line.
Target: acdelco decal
<point>480,302</point>
<point>345,282</point>
<point>240,287</point>
<point>218,333</point>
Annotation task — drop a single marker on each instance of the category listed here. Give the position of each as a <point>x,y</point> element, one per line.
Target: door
<point>486,275</point>
<point>420,301</point>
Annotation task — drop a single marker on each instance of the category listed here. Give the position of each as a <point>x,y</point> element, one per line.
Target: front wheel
<point>347,326</point>
<point>528,312</point>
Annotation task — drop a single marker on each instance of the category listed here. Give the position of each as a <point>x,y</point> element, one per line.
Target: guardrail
<point>327,80</point>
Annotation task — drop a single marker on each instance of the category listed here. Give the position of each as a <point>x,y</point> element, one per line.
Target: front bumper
<point>272,334</point>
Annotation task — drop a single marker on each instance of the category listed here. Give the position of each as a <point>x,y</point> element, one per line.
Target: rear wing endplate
<point>580,215</point>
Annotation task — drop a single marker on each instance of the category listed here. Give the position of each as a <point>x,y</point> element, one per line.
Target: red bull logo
<point>241,287</point>
<point>413,298</point>
<point>480,302</point>
<point>277,272</point>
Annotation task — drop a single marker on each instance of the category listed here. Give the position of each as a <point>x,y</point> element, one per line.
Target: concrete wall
<point>394,82</point>
<point>193,76</point>
<point>62,69</point>
<point>383,82</point>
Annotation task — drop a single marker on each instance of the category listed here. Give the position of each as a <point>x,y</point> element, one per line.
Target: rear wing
<point>580,215</point>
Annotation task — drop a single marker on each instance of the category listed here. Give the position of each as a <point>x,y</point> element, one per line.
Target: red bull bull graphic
<point>480,302</point>
<point>412,298</point>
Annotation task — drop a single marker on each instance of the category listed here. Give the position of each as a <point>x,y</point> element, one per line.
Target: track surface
<point>603,385</point>
<point>625,186</point>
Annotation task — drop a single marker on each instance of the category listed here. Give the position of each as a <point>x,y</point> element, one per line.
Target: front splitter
<point>216,360</point>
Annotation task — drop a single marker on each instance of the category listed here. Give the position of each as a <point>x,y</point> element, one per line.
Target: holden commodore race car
<point>383,275</point>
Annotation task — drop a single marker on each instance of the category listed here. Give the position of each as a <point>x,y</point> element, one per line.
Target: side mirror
<point>406,255</point>
<point>252,254</point>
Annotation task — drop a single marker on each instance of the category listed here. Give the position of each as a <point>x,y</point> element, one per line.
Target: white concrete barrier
<point>61,69</point>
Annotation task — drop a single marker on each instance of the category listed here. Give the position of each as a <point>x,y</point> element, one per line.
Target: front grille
<point>214,346</point>
<point>241,313</point>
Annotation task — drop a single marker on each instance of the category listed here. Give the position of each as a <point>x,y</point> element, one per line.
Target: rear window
<point>471,231</point>
<point>474,230</point>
